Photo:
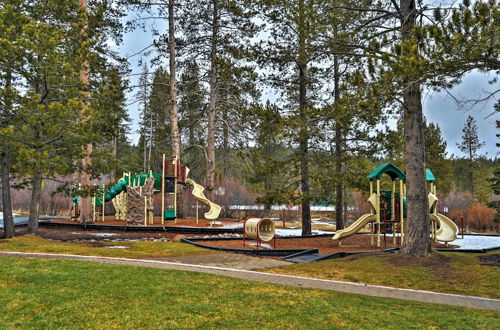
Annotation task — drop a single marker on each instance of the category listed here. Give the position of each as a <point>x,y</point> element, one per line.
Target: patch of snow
<point>468,242</point>
<point>116,247</point>
<point>476,242</point>
<point>215,223</point>
<point>265,245</point>
<point>13,214</point>
<point>232,225</point>
<point>103,234</point>
<point>17,221</point>
<point>321,222</point>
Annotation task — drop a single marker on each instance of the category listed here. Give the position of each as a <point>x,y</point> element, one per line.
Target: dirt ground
<point>492,259</point>
<point>186,222</point>
<point>325,244</point>
<point>439,264</point>
<point>67,235</point>
<point>70,235</point>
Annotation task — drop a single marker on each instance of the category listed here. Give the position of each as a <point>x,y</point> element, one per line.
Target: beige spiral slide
<point>214,211</point>
<point>447,231</point>
<point>355,227</point>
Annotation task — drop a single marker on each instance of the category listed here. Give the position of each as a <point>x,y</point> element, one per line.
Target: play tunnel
<point>260,228</point>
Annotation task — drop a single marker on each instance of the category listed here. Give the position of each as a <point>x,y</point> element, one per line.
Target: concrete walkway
<point>227,260</point>
<point>296,281</point>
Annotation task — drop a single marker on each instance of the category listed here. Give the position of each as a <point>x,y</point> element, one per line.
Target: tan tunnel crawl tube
<point>260,228</point>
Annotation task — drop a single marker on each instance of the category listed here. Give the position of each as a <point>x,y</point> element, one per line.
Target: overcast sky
<point>439,107</point>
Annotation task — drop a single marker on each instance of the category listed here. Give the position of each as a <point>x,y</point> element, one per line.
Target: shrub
<point>477,217</point>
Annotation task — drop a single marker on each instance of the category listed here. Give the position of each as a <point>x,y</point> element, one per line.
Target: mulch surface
<point>359,242</point>
<point>325,244</point>
<point>70,235</point>
<point>185,222</point>
<point>87,235</point>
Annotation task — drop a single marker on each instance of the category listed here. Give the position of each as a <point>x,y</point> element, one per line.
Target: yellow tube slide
<point>214,211</point>
<point>355,227</point>
<point>447,231</point>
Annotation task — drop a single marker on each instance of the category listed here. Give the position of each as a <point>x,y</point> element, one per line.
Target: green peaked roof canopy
<point>390,169</point>
<point>429,176</point>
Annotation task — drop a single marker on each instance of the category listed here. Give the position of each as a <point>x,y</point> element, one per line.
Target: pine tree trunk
<point>304,118</point>
<point>36,191</point>
<point>115,155</point>
<point>416,240</point>
<point>145,150</point>
<point>339,196</point>
<point>191,136</point>
<point>8,219</point>
<point>176,144</point>
<point>345,215</point>
<point>304,185</point>
<point>304,155</point>
<point>225,142</point>
<point>213,100</point>
<point>86,202</point>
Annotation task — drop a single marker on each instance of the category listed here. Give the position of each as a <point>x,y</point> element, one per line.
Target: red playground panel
<point>170,171</point>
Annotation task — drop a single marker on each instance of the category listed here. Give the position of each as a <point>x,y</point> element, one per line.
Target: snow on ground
<point>228,225</point>
<point>477,242</point>
<point>17,221</point>
<point>103,234</point>
<point>322,222</point>
<point>264,245</point>
<point>215,223</point>
<point>468,242</point>
<point>1,215</point>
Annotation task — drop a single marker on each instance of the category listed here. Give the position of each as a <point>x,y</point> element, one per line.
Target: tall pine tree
<point>470,146</point>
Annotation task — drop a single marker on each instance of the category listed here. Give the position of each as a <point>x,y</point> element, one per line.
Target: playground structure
<point>133,195</point>
<point>260,229</point>
<point>388,210</point>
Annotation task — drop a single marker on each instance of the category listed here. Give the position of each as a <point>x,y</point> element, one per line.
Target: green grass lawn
<point>454,272</point>
<point>32,243</point>
<point>40,293</point>
<point>443,272</point>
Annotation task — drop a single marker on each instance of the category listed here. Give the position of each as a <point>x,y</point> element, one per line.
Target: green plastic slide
<point>115,190</point>
<point>136,179</point>
<point>112,192</point>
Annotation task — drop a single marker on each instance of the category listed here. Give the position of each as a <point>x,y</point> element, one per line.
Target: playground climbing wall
<point>139,202</point>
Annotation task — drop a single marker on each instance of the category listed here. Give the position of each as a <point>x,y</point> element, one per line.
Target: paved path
<point>227,260</point>
<point>296,281</point>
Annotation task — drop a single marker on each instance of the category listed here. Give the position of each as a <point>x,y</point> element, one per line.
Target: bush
<point>477,217</point>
